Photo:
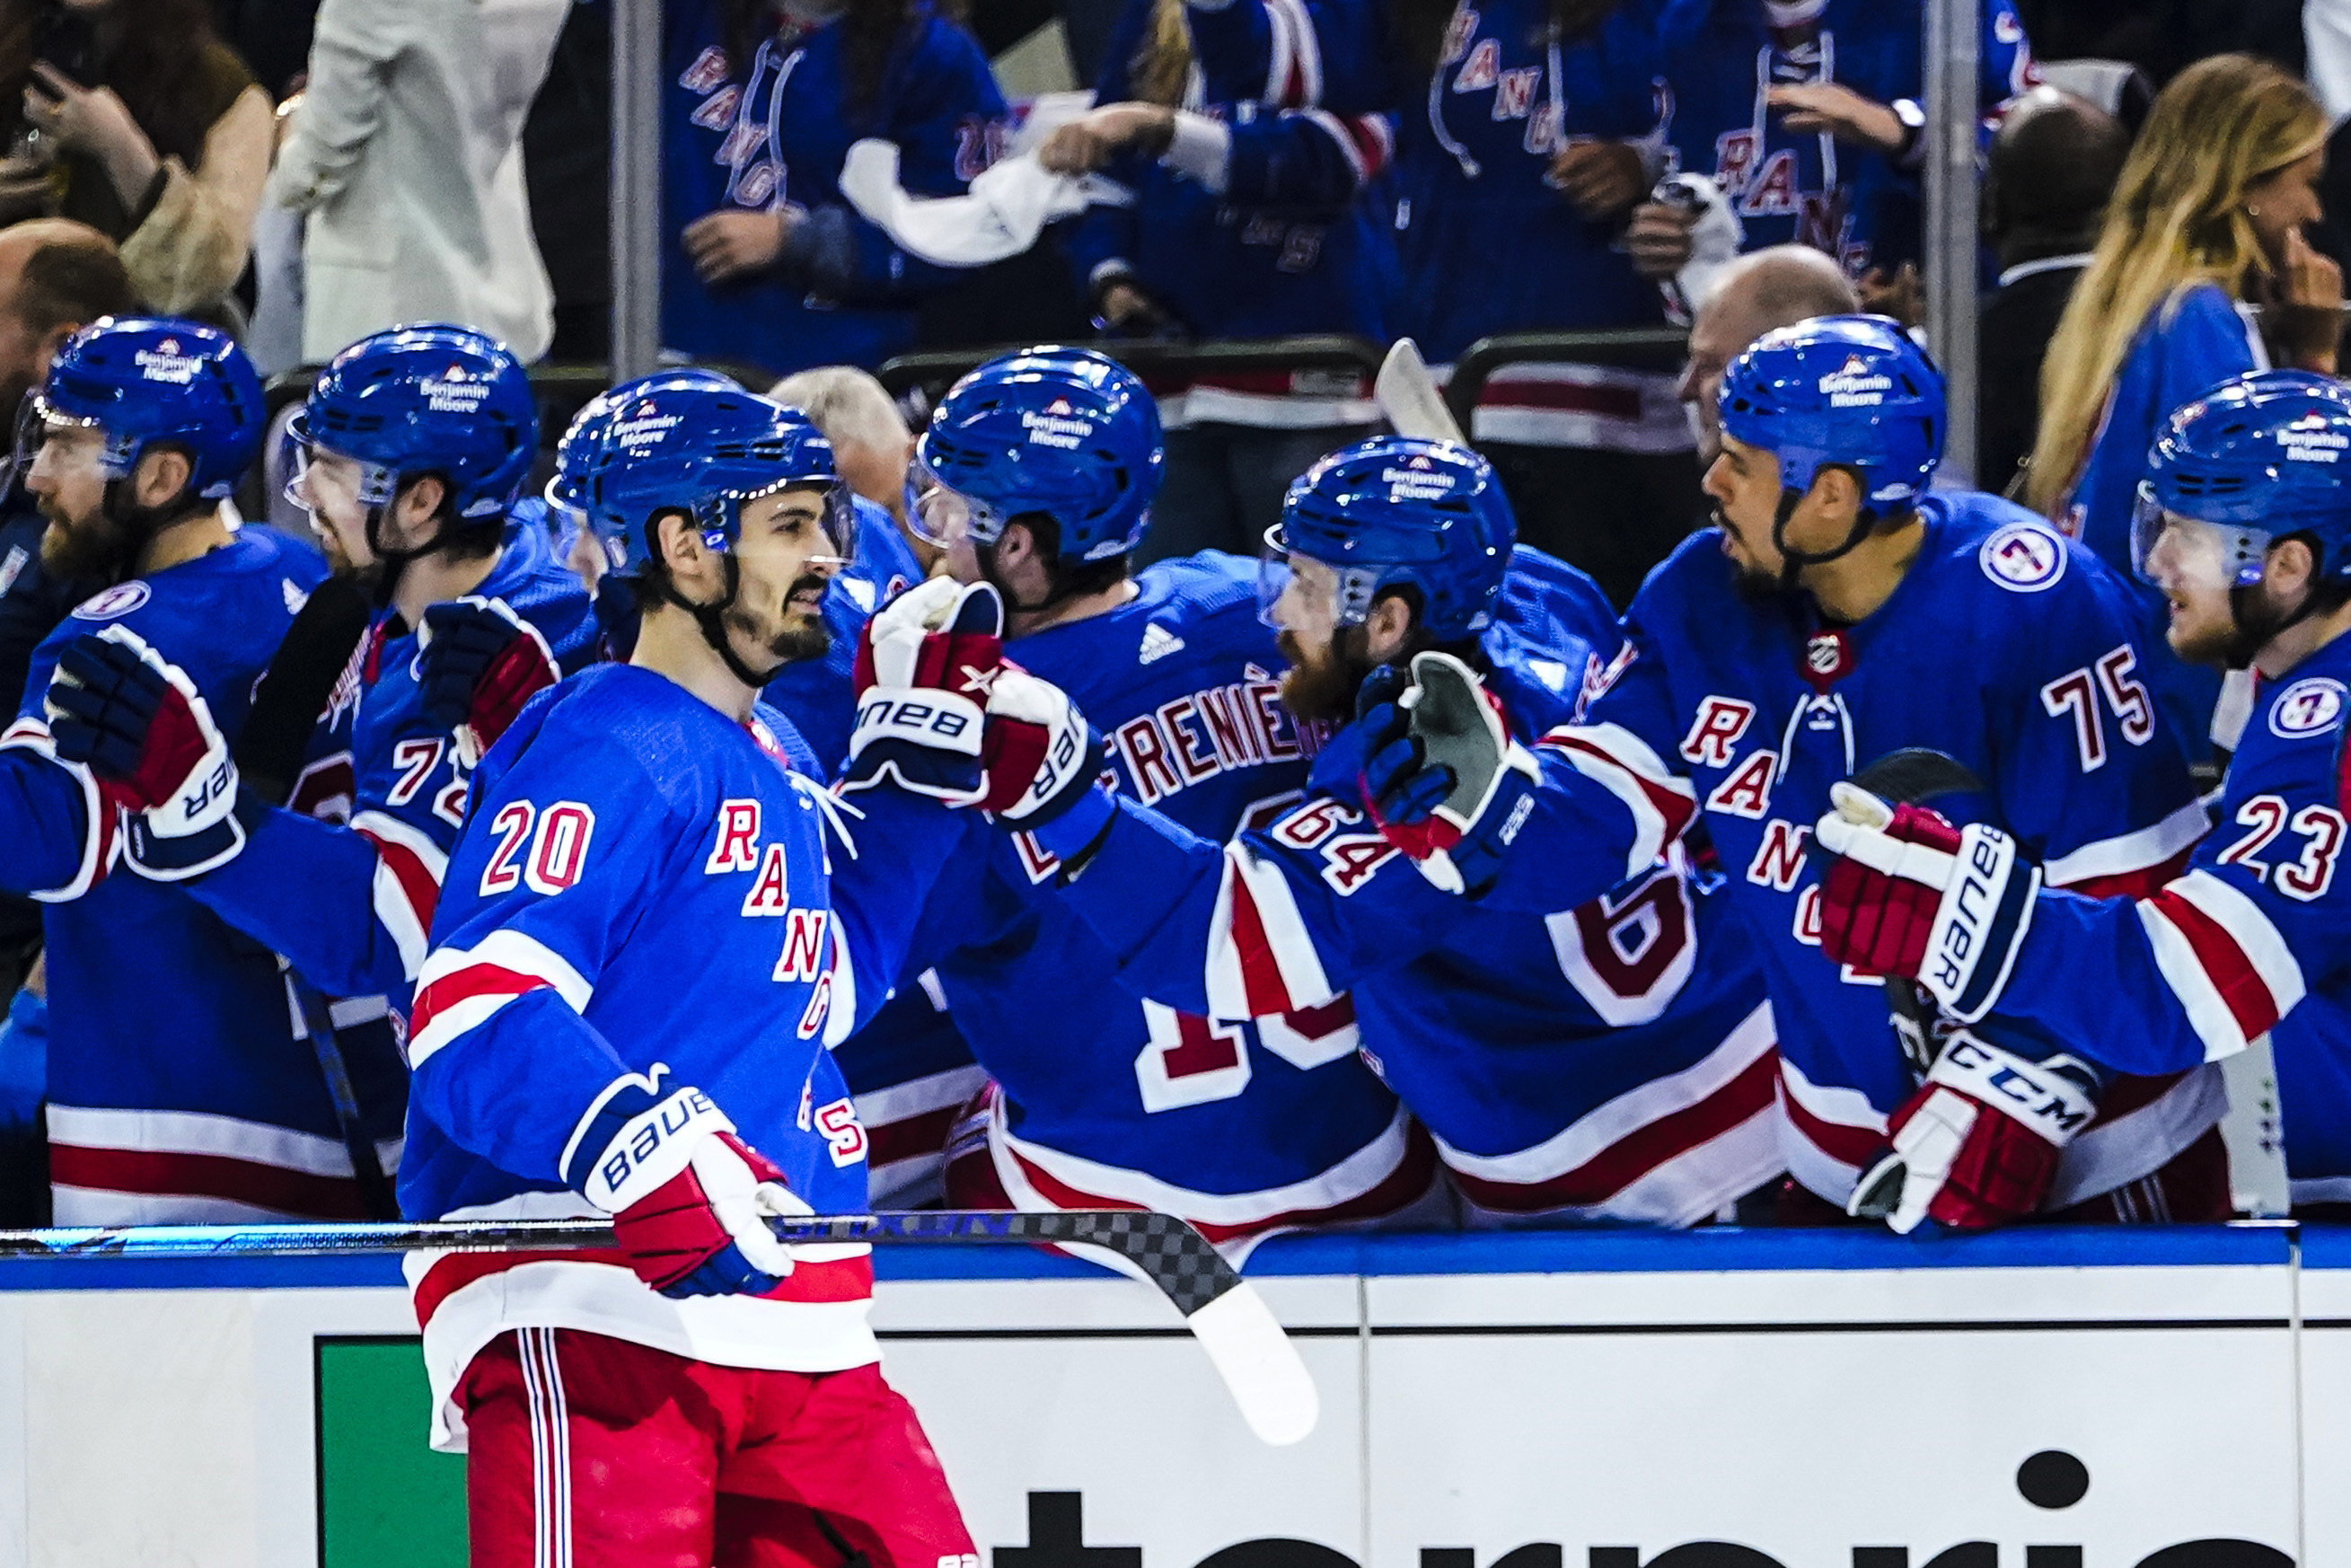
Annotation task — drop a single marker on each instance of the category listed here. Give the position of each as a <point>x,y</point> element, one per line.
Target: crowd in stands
<point>1675,178</point>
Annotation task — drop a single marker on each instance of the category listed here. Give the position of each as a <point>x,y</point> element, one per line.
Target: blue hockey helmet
<point>1392,511</point>
<point>433,398</point>
<point>2251,461</point>
<point>1849,391</point>
<point>1065,431</point>
<point>703,449</point>
<point>153,381</point>
<point>566,489</point>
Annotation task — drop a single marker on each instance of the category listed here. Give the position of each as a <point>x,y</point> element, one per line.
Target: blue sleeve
<point>1284,918</point>
<point>1331,54</point>
<point>882,877</point>
<point>2202,342</point>
<point>2005,62</point>
<point>1611,799</point>
<point>48,810</point>
<point>348,907</point>
<point>1306,161</point>
<point>950,114</point>
<point>504,1063</point>
<point>2214,958</point>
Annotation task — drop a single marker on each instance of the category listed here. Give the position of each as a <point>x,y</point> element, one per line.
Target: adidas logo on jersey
<point>1158,643</point>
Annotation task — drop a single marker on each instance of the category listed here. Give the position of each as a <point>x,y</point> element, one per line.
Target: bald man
<point>2053,165</point>
<point>1776,287</point>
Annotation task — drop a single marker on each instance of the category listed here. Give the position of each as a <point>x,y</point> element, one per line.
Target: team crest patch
<point>2306,708</point>
<point>121,600</point>
<point>2023,558</point>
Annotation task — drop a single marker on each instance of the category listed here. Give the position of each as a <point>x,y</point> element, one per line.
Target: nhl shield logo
<point>1828,659</point>
<point>2306,708</point>
<point>2023,558</point>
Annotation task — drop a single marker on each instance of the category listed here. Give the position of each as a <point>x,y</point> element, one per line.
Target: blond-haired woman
<point>2205,222</point>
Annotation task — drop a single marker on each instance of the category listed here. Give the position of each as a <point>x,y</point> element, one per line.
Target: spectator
<point>1809,115</point>
<point>405,154</point>
<point>136,119</point>
<point>1776,287</point>
<point>870,443</point>
<point>2206,220</point>
<point>1246,224</point>
<point>2054,164</point>
<point>1527,131</point>
<point>769,266</point>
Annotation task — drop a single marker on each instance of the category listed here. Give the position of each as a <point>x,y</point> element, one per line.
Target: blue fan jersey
<point>643,887</point>
<point>179,1089</point>
<point>2256,935</point>
<point>2195,340</point>
<point>1609,1062</point>
<point>1239,1126</point>
<point>772,132</point>
<point>1809,188</point>
<point>2007,647</point>
<point>350,906</point>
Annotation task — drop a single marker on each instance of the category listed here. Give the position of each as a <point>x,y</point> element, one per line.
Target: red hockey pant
<point>589,1452</point>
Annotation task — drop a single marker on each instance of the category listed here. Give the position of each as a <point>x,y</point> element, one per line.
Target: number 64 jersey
<point>2005,646</point>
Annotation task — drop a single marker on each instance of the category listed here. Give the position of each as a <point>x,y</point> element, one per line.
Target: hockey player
<point>643,952</point>
<point>2246,527</point>
<point>414,445</point>
<point>1037,473</point>
<point>1839,614</point>
<point>179,1091</point>
<point>1608,1062</point>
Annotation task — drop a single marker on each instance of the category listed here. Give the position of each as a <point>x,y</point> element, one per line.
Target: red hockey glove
<point>690,1200</point>
<point>926,664</point>
<point>1042,757</point>
<point>1978,1144</point>
<point>478,663</point>
<point>1911,895</point>
<point>1442,778</point>
<point>138,722</point>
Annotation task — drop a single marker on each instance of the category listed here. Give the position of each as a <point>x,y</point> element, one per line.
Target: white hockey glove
<point>926,664</point>
<point>1442,778</point>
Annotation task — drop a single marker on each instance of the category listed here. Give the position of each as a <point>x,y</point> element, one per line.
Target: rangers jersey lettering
<point>642,886</point>
<point>2005,646</point>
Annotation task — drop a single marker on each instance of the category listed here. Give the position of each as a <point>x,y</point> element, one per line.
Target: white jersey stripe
<point>1258,895</point>
<point>2129,852</point>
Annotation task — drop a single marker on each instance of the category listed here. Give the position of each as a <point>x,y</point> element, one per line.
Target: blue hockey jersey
<point>1723,57</point>
<point>349,907</point>
<point>1608,1062</point>
<point>2255,936</point>
<point>2010,649</point>
<point>179,1089</point>
<point>772,132</point>
<point>1239,1127</point>
<point>643,888</point>
<point>2195,339</point>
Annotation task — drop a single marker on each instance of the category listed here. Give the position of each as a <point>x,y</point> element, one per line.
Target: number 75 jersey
<point>2006,647</point>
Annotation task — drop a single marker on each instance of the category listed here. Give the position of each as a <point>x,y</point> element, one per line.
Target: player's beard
<point>92,551</point>
<point>1321,686</point>
<point>793,638</point>
<point>1751,581</point>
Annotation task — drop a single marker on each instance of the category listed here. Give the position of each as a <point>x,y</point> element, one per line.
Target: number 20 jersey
<point>2005,646</point>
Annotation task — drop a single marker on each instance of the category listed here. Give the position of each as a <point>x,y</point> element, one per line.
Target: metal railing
<point>931,374</point>
<point>1634,348</point>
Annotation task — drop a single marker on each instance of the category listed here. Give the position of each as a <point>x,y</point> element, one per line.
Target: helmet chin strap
<point>140,524</point>
<point>711,621</point>
<point>989,572</point>
<point>391,561</point>
<point>1793,561</point>
<point>2257,625</point>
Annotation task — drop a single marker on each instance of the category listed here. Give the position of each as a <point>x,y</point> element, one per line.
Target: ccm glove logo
<point>2039,1094</point>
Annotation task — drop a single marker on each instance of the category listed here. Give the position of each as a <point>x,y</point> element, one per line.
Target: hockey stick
<point>1408,396</point>
<point>1260,1367</point>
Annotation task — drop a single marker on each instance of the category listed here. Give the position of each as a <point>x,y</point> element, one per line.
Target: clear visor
<point>2176,552</point>
<point>945,518</point>
<point>1297,592</point>
<point>839,517</point>
<point>36,423</point>
<point>564,504</point>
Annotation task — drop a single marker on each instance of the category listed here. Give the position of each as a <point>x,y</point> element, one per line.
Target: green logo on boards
<point>385,1499</point>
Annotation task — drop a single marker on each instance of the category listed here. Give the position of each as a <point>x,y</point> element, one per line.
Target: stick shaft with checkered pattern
<point>1256,1359</point>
